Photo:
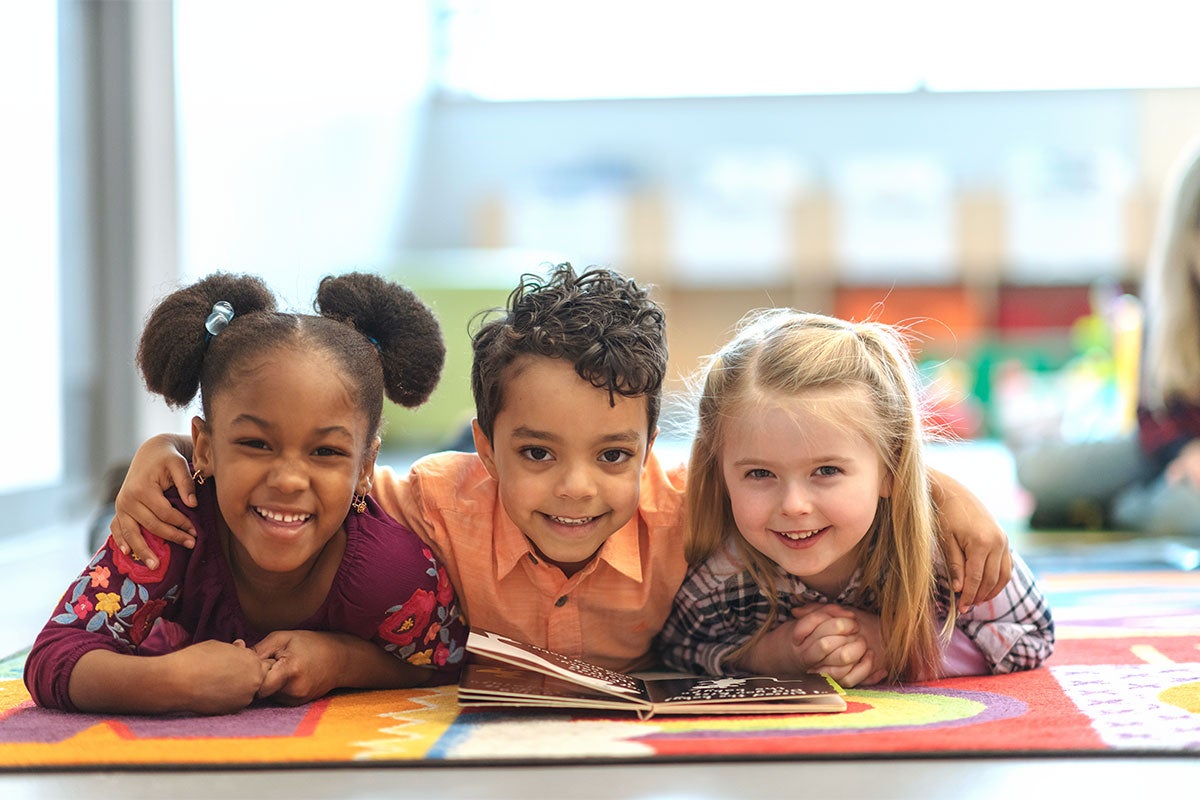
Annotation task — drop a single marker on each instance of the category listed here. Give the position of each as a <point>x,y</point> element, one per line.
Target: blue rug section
<point>11,667</point>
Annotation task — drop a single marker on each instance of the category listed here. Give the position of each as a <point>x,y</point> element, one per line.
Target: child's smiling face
<point>568,462</point>
<point>803,485</point>
<point>288,447</point>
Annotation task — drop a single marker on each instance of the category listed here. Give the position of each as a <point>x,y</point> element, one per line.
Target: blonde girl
<point>812,526</point>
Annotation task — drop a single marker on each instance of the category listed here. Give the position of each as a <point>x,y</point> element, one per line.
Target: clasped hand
<point>288,667</point>
<point>844,643</point>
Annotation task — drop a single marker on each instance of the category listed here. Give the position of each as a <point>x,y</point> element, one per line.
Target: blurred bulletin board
<point>1040,309</point>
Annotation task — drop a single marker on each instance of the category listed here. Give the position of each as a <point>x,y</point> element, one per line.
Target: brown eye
<point>536,453</point>
<point>615,456</point>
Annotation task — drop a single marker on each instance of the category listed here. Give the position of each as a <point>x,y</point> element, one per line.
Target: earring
<point>198,477</point>
<point>359,503</point>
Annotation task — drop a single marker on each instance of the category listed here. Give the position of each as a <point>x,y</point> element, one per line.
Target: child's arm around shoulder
<point>980,559</point>
<point>160,463</point>
<point>437,489</point>
<point>1014,630</point>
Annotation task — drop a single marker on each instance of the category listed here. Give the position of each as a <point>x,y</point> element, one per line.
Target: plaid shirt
<point>719,607</point>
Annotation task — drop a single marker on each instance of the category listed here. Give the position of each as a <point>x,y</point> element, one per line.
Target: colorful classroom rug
<point>1124,680</point>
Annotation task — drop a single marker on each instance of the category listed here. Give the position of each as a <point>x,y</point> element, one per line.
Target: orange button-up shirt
<point>607,613</point>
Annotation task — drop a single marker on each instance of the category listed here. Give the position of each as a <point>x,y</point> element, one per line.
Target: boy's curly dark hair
<point>382,336</point>
<point>599,321</point>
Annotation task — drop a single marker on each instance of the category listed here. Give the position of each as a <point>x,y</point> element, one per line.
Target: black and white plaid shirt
<point>719,607</point>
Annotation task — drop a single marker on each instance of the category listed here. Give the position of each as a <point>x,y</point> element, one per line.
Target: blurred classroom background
<point>988,174</point>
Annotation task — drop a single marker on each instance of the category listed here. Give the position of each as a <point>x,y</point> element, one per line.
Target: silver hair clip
<point>222,312</point>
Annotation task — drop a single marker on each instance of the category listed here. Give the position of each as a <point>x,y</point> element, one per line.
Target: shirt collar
<point>620,551</point>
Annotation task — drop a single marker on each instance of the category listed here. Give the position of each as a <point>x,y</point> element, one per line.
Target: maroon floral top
<point>389,590</point>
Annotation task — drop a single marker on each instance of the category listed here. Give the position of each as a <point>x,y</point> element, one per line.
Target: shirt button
<point>560,602</point>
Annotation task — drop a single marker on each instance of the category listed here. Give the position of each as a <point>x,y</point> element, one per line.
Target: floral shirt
<point>389,589</point>
<point>720,607</point>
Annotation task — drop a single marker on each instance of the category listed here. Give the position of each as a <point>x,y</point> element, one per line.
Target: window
<point>30,338</point>
<point>551,50</point>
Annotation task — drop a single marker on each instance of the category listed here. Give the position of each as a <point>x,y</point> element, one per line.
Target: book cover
<point>506,673</point>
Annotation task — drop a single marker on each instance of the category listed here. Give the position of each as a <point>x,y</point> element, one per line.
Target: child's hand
<point>305,665</point>
<point>859,660</point>
<point>157,465</point>
<point>980,560</point>
<point>217,678</point>
<point>796,648</point>
<point>311,664</point>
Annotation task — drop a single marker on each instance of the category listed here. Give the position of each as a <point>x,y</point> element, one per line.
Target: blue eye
<point>760,473</point>
<point>828,470</point>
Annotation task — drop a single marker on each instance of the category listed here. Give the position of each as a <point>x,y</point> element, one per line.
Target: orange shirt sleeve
<point>399,495</point>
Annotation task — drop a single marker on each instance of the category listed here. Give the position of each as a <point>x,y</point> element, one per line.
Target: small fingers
<point>957,569</point>
<point>974,574</point>
<point>842,652</point>
<point>183,482</point>
<point>864,673</point>
<point>810,629</point>
<point>135,545</point>
<point>821,648</point>
<point>273,681</point>
<point>160,514</point>
<point>828,609</point>
<point>167,523</point>
<point>987,578</point>
<point>116,529</point>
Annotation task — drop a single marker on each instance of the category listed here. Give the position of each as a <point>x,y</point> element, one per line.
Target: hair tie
<point>375,342</point>
<point>218,320</point>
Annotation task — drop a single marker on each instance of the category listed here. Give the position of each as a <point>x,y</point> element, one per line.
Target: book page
<point>536,658</point>
<point>740,689</point>
<point>485,681</point>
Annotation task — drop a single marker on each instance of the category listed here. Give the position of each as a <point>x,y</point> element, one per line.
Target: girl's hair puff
<point>384,339</point>
<point>777,355</point>
<point>174,346</point>
<point>403,329</point>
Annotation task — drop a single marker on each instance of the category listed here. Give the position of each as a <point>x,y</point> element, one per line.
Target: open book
<point>505,672</point>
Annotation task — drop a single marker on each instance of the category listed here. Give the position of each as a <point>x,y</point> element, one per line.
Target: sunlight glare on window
<point>543,49</point>
<point>551,50</point>
<point>30,342</point>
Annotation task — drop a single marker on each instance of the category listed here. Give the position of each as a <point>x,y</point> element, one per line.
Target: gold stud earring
<point>198,477</point>
<point>359,503</point>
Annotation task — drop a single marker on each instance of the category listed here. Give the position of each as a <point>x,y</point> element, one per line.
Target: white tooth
<point>797,536</point>
<point>279,517</point>
<point>571,520</point>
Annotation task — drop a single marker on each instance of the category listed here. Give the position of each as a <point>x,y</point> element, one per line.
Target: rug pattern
<point>1125,678</point>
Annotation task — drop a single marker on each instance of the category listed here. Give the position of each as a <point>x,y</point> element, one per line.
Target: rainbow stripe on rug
<point>1124,679</point>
